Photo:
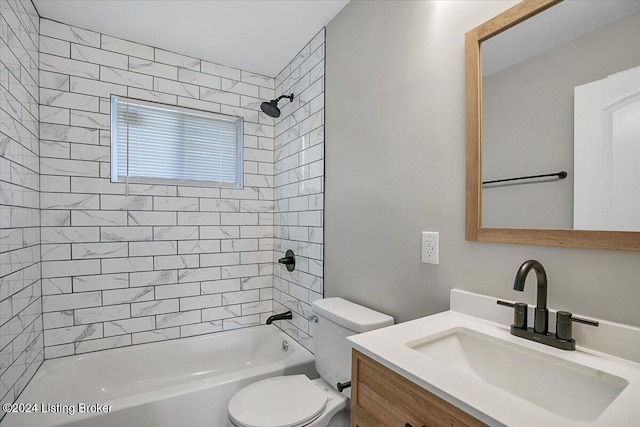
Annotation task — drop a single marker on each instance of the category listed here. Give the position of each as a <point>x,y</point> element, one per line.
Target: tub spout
<point>281,316</point>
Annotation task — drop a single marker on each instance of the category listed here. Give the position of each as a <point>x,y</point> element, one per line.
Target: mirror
<point>553,125</point>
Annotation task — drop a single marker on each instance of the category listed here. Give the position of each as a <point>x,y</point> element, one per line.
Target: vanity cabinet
<point>382,398</point>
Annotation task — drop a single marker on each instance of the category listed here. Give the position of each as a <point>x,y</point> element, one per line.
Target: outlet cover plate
<point>431,247</point>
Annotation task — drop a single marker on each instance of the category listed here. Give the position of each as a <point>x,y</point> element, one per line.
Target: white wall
<point>395,166</point>
<point>21,340</point>
<point>165,261</point>
<point>169,261</point>
<point>299,181</point>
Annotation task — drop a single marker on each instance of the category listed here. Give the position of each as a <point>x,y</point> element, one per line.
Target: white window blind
<point>163,144</point>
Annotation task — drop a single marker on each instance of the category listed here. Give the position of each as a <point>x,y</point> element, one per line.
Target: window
<point>161,144</point>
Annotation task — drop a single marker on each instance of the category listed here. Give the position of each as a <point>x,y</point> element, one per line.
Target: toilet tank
<point>338,319</point>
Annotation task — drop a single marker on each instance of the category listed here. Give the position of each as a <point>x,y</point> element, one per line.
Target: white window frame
<point>172,181</point>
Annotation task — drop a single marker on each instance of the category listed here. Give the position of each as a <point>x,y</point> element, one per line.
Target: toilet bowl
<point>289,401</point>
<point>296,400</point>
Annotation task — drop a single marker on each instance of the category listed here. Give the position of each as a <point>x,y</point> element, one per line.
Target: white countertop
<point>484,401</point>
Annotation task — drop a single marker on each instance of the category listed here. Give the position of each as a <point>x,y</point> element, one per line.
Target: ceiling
<point>564,22</point>
<point>261,36</point>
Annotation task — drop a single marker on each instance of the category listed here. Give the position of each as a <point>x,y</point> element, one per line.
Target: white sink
<point>503,380</point>
<point>571,390</point>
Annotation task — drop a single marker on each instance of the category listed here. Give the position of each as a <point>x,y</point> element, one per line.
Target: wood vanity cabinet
<point>382,398</point>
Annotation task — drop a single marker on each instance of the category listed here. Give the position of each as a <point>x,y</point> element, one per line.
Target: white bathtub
<point>185,382</point>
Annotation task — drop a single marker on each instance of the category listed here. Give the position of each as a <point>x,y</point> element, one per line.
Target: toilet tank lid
<point>350,315</point>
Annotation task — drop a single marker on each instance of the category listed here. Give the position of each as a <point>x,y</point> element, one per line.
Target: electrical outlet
<point>430,247</point>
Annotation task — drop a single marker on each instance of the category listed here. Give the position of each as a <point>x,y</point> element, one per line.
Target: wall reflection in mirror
<point>561,92</point>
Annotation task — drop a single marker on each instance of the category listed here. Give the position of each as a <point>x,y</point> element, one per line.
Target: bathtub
<point>185,382</point>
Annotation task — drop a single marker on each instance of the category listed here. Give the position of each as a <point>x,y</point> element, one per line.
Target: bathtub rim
<point>299,357</point>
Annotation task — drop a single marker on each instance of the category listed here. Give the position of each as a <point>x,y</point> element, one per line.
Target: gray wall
<point>395,166</point>
<point>528,124</point>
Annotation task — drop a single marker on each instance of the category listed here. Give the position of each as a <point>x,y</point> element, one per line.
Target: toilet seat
<point>289,401</point>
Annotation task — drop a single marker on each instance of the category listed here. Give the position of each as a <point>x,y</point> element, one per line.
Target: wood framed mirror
<point>524,228</point>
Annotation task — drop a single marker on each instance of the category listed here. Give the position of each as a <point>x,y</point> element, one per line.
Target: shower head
<point>271,108</point>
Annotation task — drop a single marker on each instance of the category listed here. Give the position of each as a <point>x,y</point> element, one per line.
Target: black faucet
<point>541,314</point>
<point>540,332</point>
<point>281,316</point>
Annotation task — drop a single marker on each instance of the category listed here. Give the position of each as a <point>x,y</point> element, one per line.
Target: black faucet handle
<point>505,303</point>
<point>520,313</point>
<point>289,260</point>
<point>585,321</point>
<point>563,325</point>
<point>564,322</point>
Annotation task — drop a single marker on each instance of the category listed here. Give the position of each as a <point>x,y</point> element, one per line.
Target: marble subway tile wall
<point>21,338</point>
<point>163,261</point>
<point>299,187</point>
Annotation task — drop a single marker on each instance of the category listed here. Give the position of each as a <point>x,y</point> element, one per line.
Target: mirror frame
<point>620,240</point>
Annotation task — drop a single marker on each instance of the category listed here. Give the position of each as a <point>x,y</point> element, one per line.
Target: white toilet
<point>297,401</point>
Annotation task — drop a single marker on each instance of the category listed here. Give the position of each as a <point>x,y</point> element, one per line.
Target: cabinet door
<point>382,398</point>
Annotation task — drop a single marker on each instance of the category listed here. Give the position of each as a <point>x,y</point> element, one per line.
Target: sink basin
<point>477,366</point>
<point>570,390</point>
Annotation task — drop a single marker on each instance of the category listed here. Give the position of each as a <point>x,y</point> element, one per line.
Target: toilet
<point>296,400</point>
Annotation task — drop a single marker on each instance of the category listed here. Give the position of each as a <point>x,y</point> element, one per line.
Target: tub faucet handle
<point>289,260</point>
